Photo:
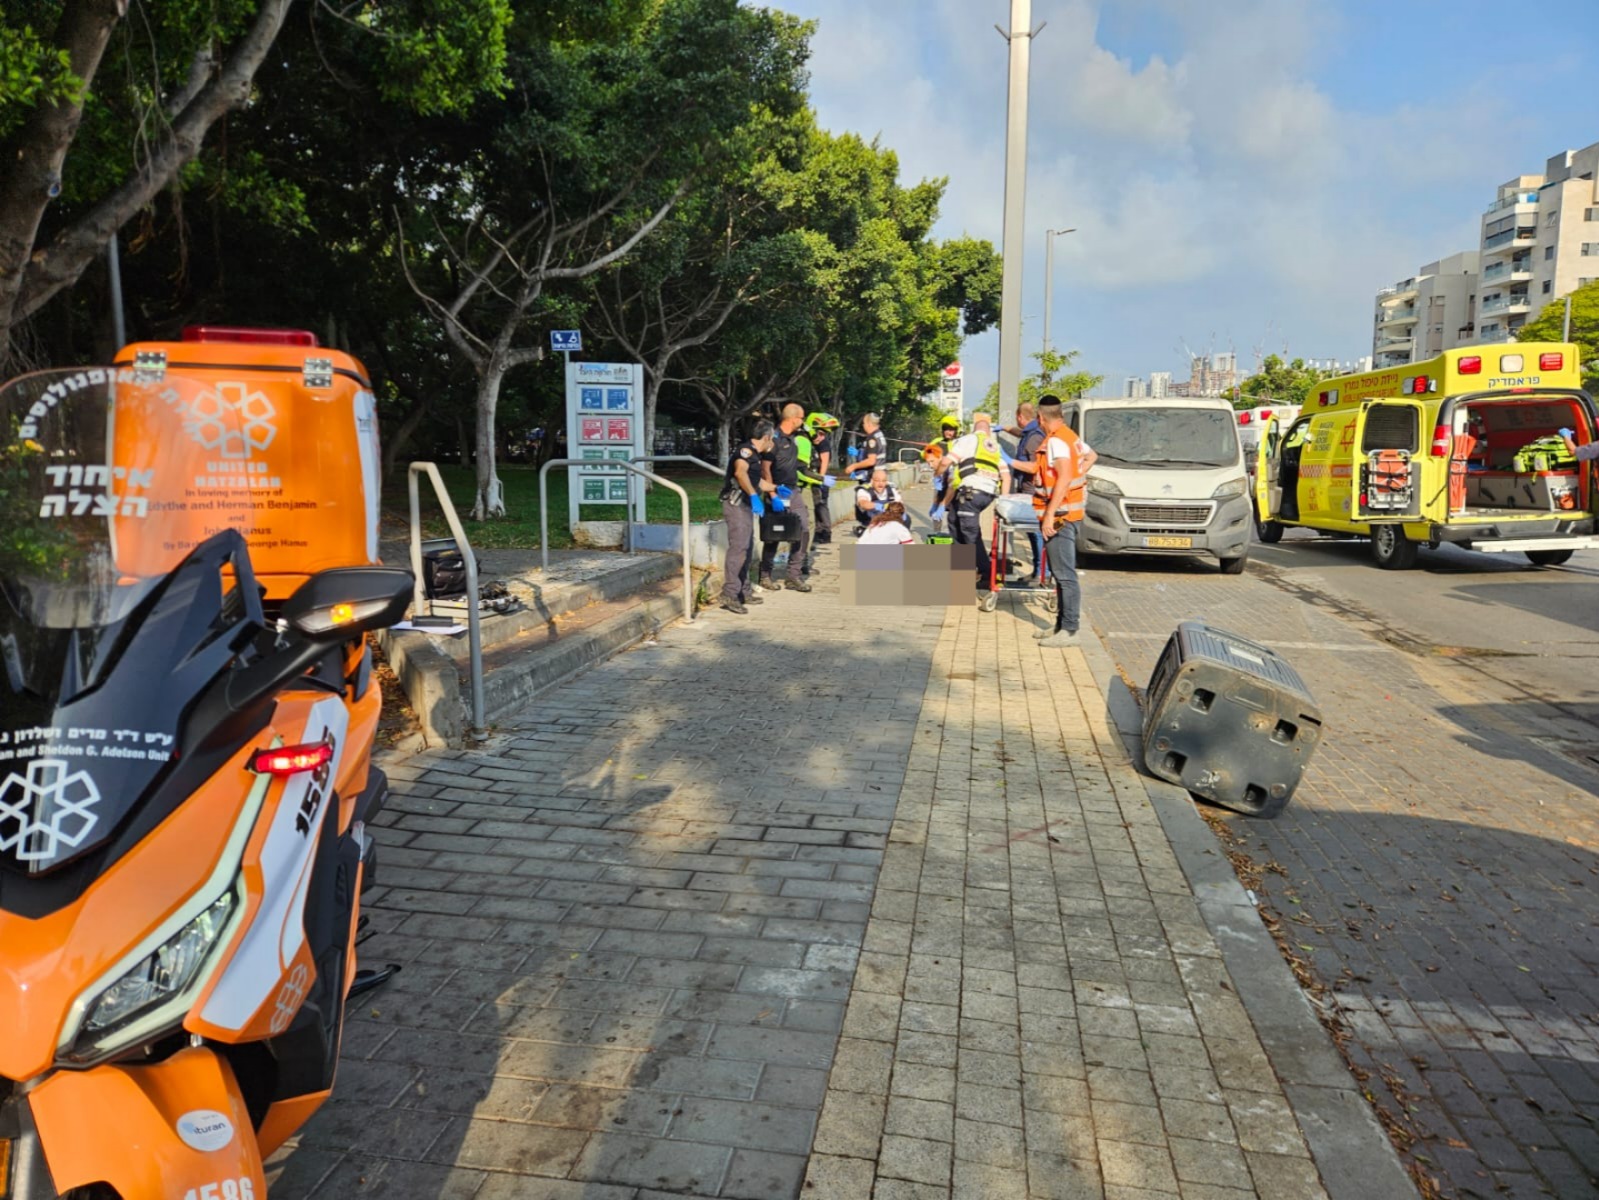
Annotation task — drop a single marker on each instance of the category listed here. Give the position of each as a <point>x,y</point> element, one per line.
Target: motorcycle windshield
<point>120,552</point>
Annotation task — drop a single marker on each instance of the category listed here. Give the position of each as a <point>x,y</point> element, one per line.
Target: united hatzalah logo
<point>232,420</point>
<point>49,807</point>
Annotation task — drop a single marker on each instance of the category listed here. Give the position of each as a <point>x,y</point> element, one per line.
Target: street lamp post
<point>1020,36</point>
<point>1049,276</point>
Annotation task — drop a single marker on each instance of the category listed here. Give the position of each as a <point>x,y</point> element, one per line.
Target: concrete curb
<point>1353,1154</point>
<point>509,685</point>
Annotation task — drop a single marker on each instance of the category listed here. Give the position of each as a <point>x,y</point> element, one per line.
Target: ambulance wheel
<point>989,602</point>
<point>1548,558</point>
<point>1392,549</point>
<point>1269,532</point>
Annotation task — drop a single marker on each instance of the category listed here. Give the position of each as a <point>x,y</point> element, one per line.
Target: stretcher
<point>1013,515</point>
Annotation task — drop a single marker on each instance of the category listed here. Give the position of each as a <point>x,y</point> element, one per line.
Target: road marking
<point>1330,646</point>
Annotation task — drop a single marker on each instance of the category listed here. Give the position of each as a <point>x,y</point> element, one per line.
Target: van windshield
<point>1164,438</point>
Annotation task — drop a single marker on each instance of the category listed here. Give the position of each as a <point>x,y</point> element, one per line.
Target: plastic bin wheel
<point>989,602</point>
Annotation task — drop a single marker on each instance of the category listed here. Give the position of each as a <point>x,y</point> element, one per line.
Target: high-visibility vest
<point>808,476</point>
<point>986,459</point>
<point>1081,459</point>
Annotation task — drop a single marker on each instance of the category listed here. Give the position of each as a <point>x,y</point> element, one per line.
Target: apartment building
<point>1540,240</point>
<point>1159,385</point>
<point>1432,311</point>
<point>1136,388</point>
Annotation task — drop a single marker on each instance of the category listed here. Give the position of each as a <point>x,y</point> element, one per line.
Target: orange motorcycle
<point>185,778</point>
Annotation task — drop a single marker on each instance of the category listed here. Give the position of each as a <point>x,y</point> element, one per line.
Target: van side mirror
<point>340,603</point>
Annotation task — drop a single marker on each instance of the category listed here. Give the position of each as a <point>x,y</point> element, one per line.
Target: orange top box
<point>286,428</point>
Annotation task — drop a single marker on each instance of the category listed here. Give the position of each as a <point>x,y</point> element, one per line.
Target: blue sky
<point>1243,174</point>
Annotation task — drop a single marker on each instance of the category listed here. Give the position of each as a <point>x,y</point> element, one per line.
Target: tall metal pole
<point>1049,283</point>
<point>1049,277</point>
<point>1020,37</point>
<point>1565,332</point>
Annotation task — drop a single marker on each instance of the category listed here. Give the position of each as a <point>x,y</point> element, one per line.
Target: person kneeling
<point>891,527</point>
<point>872,499</point>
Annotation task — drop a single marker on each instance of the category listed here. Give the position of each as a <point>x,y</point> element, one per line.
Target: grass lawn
<point>519,528</point>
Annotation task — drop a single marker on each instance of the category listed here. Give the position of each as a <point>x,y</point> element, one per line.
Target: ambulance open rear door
<point>1384,463</point>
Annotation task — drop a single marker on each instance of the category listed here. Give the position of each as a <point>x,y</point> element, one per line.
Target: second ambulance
<point>1465,449</point>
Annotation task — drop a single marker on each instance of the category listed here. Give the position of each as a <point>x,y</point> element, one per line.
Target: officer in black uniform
<point>784,469</point>
<point>872,447</point>
<point>744,482</point>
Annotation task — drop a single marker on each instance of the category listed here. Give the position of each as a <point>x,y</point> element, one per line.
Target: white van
<point>1170,479</point>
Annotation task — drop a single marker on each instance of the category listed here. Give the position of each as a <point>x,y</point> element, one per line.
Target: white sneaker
<point>1062,640</point>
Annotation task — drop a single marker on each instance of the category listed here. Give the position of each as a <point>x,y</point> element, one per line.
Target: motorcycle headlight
<point>156,988</point>
<point>1103,487</point>
<point>1233,487</point>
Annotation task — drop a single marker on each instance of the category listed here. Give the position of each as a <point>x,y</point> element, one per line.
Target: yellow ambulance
<point>1464,449</point>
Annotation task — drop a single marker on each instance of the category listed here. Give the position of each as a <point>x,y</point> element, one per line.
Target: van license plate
<point>1168,543</point>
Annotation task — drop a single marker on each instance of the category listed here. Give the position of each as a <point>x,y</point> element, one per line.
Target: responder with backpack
<point>979,476</point>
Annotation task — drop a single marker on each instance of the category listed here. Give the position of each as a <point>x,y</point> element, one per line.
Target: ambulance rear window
<point>1391,427</point>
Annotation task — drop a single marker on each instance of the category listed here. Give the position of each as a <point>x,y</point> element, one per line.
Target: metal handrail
<point>544,516</point>
<point>688,458</point>
<point>419,596</point>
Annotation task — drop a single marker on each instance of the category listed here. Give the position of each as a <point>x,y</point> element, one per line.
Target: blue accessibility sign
<point>567,340</point>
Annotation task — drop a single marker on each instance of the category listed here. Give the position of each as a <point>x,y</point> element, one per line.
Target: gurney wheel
<point>1052,603</point>
<point>989,602</point>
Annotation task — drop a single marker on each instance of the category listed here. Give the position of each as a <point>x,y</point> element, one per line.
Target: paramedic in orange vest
<point>1060,498</point>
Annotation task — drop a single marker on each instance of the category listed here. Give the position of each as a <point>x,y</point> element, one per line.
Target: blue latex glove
<point>756,506</point>
<point>854,453</point>
<point>1568,433</point>
<point>778,503</point>
<point>1006,459</point>
<point>937,514</point>
<point>829,481</point>
<point>784,490</point>
<point>877,508</point>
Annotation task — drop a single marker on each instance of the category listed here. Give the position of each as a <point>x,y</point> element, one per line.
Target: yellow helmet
<point>821,420</point>
<point>950,420</point>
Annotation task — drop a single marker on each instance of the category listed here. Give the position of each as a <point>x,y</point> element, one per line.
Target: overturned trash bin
<point>1229,720</point>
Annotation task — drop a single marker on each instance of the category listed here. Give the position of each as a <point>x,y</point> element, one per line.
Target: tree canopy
<point>1054,377</point>
<point>1548,325</point>
<point>435,186</point>
<point>1279,382</point>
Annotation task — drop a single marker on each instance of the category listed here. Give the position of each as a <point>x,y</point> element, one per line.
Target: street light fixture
<point>1049,275</point>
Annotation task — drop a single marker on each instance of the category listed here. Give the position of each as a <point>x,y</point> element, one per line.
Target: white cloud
<point>1217,186</point>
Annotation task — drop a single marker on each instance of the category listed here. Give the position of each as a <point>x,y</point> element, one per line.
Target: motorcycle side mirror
<point>339,603</point>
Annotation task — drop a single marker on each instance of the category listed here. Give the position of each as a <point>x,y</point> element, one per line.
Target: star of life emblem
<point>47,809</point>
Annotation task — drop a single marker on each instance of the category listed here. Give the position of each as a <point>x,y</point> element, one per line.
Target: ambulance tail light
<point>1470,365</point>
<point>252,337</point>
<point>1551,362</point>
<point>1440,441</point>
<point>1265,414</point>
<point>1243,418</point>
<point>1418,386</point>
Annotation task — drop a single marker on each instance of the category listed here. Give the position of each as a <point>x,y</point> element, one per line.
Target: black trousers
<point>824,518</point>
<point>966,526</point>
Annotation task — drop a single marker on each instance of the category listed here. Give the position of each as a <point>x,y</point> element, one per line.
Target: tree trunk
<point>490,500</point>
<point>463,441</point>
<point>724,438</point>
<point>35,153</point>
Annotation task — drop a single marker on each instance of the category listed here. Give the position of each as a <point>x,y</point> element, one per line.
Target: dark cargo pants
<point>740,535</point>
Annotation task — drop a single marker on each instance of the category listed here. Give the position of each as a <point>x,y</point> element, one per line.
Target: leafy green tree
<point>1053,378</point>
<point>594,145</point>
<point>1278,382</point>
<point>1549,324</point>
<point>104,105</point>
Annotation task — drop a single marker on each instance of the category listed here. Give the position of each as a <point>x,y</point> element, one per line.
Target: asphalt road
<point>1536,629</point>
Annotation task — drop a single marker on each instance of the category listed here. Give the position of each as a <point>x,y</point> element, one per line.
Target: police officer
<point>872,449</point>
<point>821,426</point>
<point>872,498</point>
<point>784,469</point>
<point>742,489</point>
<point>978,476</point>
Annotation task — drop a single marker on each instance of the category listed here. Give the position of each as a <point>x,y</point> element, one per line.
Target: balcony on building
<point>1513,270</point>
<point>1525,199</point>
<point>1510,241</point>
<point>1399,293</point>
<point>1401,315</point>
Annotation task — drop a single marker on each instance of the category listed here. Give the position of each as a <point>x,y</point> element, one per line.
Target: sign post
<point>953,389</point>
<point>604,424</point>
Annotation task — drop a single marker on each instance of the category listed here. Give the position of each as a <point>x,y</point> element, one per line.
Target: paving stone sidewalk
<point>1436,873</point>
<point>841,903</point>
